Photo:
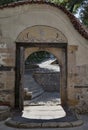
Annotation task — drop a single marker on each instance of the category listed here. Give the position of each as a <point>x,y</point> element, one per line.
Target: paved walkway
<point>43,112</point>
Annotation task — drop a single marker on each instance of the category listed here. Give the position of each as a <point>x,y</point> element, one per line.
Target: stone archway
<point>39,38</point>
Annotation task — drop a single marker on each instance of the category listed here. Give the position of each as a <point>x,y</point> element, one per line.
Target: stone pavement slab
<point>43,112</point>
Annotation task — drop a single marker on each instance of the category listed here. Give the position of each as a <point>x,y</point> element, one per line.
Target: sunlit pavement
<point>43,112</point>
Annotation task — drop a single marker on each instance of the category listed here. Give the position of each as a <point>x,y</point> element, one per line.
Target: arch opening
<point>43,67</point>
<point>42,84</point>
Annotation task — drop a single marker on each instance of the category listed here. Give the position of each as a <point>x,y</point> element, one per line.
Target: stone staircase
<point>33,88</point>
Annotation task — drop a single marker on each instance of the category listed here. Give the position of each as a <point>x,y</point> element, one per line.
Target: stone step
<point>32,85</point>
<point>46,98</point>
<point>37,93</point>
<point>35,88</point>
<point>33,94</point>
<point>4,112</point>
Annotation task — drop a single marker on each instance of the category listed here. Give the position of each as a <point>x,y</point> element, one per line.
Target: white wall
<point>15,20</point>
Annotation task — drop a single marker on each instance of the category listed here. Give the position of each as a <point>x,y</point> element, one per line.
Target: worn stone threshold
<point>71,119</point>
<point>20,122</point>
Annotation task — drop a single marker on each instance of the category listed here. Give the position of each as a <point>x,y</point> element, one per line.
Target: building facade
<point>27,27</point>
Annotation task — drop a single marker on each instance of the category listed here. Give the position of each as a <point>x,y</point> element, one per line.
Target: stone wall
<point>82,75</point>
<point>7,87</point>
<point>81,89</point>
<point>50,81</point>
<point>7,72</point>
<point>82,97</point>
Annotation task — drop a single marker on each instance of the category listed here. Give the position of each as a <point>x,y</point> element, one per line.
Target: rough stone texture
<point>15,124</point>
<point>77,123</point>
<point>82,75</point>
<point>71,75</point>
<point>82,98</point>
<point>4,112</point>
<point>7,74</point>
<point>7,97</point>
<point>50,81</point>
<point>81,89</point>
<point>7,88</point>
<point>49,124</point>
<point>64,125</point>
<point>27,96</point>
<point>30,125</point>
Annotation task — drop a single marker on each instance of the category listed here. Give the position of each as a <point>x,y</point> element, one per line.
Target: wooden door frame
<point>18,103</point>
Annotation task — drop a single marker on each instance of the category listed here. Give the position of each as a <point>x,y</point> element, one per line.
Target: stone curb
<point>16,124</point>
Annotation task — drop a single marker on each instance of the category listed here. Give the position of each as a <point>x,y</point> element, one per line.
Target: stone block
<point>49,125</point>
<point>77,123</point>
<point>4,112</point>
<point>27,95</point>
<point>64,124</point>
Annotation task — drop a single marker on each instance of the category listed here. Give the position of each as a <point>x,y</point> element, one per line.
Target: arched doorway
<point>40,38</point>
<point>41,79</point>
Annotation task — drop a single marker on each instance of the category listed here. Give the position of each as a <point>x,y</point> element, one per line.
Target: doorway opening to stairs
<point>41,79</point>
<point>39,88</point>
<point>42,86</point>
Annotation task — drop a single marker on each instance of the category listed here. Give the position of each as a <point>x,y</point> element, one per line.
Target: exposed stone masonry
<point>81,89</point>
<point>50,81</point>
